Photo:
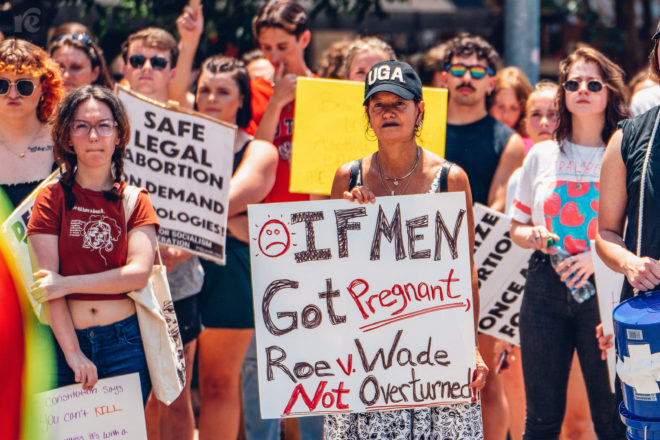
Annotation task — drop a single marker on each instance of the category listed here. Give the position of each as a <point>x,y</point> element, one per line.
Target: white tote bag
<point>158,325</point>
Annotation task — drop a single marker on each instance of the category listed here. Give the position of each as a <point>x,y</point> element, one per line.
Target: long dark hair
<point>63,150</point>
<point>612,74</point>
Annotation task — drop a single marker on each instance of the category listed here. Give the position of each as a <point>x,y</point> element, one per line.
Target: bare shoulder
<point>457,180</point>
<point>341,180</point>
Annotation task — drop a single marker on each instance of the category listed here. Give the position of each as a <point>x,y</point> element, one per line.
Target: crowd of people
<point>538,152</point>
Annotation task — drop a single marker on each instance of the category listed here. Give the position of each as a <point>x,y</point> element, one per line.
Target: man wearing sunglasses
<point>489,152</point>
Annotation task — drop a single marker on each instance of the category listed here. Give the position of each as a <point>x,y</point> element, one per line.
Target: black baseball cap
<point>395,77</point>
<point>657,32</point>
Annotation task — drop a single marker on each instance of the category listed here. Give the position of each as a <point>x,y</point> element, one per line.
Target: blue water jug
<point>637,332</point>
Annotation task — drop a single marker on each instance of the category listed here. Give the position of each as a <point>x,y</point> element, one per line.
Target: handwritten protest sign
<point>502,271</point>
<point>14,231</point>
<point>608,291</point>
<point>362,307</point>
<point>113,409</point>
<point>330,130</point>
<point>184,160</point>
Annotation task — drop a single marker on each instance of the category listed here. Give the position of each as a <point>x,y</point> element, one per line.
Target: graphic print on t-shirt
<point>571,211</point>
<point>99,233</point>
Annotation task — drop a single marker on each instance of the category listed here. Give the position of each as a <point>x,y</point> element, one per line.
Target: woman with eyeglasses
<point>557,198</point>
<point>88,251</point>
<point>81,61</point>
<point>223,92</point>
<point>30,89</point>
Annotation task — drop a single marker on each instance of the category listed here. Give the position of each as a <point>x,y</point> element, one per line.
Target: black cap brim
<point>391,88</point>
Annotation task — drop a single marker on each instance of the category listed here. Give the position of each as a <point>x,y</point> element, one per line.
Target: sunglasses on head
<point>593,85</point>
<point>80,37</point>
<point>25,87</point>
<point>476,71</point>
<point>138,60</point>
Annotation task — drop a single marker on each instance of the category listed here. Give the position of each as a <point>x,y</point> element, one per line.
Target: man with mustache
<point>489,152</point>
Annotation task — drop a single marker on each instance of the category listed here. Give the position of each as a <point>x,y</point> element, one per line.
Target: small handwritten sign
<point>362,307</point>
<point>112,410</point>
<point>502,272</point>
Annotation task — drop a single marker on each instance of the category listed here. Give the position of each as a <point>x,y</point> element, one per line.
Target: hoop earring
<point>418,129</point>
<point>369,133</point>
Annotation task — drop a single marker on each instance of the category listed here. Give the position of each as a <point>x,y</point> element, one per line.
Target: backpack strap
<point>356,174</point>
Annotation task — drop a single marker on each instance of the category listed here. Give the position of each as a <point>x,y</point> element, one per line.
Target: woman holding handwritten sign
<point>395,110</point>
<point>557,197</point>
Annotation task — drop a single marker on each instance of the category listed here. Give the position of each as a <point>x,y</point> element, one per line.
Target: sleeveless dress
<point>447,422</point>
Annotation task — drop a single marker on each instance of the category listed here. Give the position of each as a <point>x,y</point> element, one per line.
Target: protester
<point>332,61</point>
<point>388,102</point>
<point>628,179</point>
<point>257,65</point>
<point>541,120</point>
<point>151,56</point>
<point>81,61</point>
<point>30,89</point>
<point>83,285</point>
<point>560,201</point>
<point>509,100</point>
<point>362,54</point>
<point>223,92</point>
<point>489,152</point>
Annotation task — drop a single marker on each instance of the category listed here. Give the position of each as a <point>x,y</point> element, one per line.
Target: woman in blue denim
<point>557,198</point>
<point>88,256</point>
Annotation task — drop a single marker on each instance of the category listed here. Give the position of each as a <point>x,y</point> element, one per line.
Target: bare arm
<point>45,252</point>
<point>511,159</point>
<point>642,273</point>
<point>283,93</point>
<point>190,25</point>
<point>133,275</point>
<point>255,176</point>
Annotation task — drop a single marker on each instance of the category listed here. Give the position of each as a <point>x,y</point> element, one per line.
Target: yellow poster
<point>330,129</point>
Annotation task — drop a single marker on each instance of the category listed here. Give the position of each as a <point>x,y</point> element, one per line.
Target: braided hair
<point>64,153</point>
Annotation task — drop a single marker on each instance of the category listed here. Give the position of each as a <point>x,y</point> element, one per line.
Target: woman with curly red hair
<point>30,89</point>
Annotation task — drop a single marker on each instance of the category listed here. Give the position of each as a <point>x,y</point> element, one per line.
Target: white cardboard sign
<point>608,291</point>
<point>502,271</point>
<point>362,307</point>
<point>112,410</point>
<point>185,161</point>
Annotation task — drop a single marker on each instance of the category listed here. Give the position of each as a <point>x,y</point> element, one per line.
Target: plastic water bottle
<point>559,254</point>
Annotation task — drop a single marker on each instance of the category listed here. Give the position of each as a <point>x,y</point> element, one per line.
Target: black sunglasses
<point>138,60</point>
<point>80,37</point>
<point>593,85</point>
<point>25,87</point>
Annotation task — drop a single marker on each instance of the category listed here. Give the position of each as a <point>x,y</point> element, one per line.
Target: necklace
<point>579,176</point>
<point>384,178</point>
<point>29,147</point>
<point>396,179</point>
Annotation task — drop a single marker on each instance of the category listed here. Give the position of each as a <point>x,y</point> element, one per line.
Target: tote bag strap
<point>129,200</point>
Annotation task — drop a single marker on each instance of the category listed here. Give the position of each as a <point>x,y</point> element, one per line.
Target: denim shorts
<point>115,349</point>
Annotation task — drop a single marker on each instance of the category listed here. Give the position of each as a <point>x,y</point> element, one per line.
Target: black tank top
<point>477,148</point>
<point>636,136</point>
